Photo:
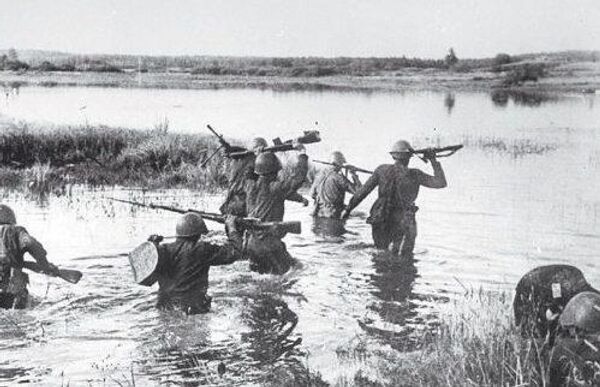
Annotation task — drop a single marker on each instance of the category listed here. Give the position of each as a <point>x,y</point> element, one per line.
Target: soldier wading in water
<point>183,266</point>
<point>265,198</point>
<point>15,241</point>
<point>330,187</point>
<point>392,216</point>
<point>242,169</point>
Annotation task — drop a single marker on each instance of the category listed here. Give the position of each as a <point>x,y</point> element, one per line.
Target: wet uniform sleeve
<point>292,183</point>
<point>295,197</point>
<point>347,185</point>
<point>315,185</point>
<point>227,253</point>
<point>29,244</point>
<point>438,180</point>
<point>365,190</point>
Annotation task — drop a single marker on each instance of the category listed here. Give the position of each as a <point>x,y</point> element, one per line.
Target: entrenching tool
<point>72,276</point>
<point>143,261</point>
<point>293,227</point>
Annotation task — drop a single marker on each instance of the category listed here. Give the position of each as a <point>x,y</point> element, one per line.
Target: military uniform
<point>328,192</point>
<point>15,241</point>
<point>392,216</point>
<point>265,198</point>
<point>183,267</point>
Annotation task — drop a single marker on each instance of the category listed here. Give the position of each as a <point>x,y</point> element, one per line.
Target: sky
<point>415,28</point>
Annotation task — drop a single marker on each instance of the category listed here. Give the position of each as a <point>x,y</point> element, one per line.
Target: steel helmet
<point>267,163</point>
<point>582,312</point>
<point>189,225</point>
<point>7,215</point>
<point>401,146</point>
<point>258,142</point>
<point>338,158</point>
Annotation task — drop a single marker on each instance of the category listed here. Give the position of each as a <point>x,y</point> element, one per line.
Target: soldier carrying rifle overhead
<point>265,199</point>
<point>392,216</point>
<point>330,187</point>
<point>240,169</point>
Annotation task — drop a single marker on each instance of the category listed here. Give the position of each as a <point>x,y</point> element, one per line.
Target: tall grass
<point>39,158</point>
<point>476,344</point>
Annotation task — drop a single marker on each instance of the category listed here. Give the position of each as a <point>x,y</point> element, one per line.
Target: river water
<point>523,192</point>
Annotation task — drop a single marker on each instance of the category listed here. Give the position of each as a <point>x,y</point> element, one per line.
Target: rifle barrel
<point>345,167</point>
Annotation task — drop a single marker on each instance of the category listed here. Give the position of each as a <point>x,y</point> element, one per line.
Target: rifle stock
<point>445,151</point>
<point>72,276</point>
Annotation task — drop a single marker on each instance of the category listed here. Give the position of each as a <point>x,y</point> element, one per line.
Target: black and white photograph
<point>290,193</point>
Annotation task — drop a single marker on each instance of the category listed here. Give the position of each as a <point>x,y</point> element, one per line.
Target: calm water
<point>502,214</point>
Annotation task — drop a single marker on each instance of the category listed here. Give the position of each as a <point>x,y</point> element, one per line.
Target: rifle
<point>245,223</point>
<point>309,137</point>
<point>72,276</point>
<point>439,152</point>
<point>223,145</point>
<point>346,167</point>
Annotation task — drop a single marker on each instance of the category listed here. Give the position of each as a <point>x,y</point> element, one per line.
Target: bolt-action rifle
<point>347,167</point>
<point>293,227</point>
<point>309,137</point>
<point>439,152</point>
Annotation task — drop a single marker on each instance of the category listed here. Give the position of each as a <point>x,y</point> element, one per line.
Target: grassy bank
<point>476,344</point>
<point>50,159</point>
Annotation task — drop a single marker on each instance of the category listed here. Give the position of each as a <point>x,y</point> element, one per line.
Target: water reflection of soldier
<point>241,169</point>
<point>15,241</point>
<point>183,266</point>
<point>392,216</point>
<point>265,199</point>
<point>330,187</point>
<point>271,324</point>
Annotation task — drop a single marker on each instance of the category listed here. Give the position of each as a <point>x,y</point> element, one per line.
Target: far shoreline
<point>566,78</point>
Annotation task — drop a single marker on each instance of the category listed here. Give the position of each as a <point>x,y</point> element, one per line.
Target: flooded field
<point>522,193</point>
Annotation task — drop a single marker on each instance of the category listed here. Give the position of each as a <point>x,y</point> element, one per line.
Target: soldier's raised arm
<point>292,183</point>
<point>438,180</point>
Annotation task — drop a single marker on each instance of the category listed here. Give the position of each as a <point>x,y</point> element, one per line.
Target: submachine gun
<point>238,152</point>
<point>293,227</point>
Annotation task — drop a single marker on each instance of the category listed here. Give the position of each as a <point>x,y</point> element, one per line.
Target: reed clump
<point>42,158</point>
<point>476,344</point>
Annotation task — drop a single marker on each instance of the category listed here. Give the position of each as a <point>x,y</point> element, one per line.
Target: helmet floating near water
<point>582,313</point>
<point>337,158</point>
<point>7,215</point>
<point>266,164</point>
<point>190,225</point>
<point>258,142</point>
<point>401,146</point>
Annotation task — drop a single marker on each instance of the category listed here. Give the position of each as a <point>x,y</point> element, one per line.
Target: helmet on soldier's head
<point>401,146</point>
<point>266,164</point>
<point>258,142</point>
<point>582,312</point>
<point>190,225</point>
<point>7,215</point>
<point>338,158</point>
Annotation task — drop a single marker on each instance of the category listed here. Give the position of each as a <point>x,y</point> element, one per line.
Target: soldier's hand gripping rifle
<point>223,144</point>
<point>425,153</point>
<point>244,223</point>
<point>309,137</point>
<point>347,167</point>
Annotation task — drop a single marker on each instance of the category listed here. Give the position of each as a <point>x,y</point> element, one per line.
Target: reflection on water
<point>525,98</point>
<point>449,102</point>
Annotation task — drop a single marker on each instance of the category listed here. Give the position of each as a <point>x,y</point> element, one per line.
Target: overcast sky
<point>422,28</point>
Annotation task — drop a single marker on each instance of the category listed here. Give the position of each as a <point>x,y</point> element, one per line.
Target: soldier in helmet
<point>392,216</point>
<point>15,241</point>
<point>242,169</point>
<point>183,266</point>
<point>265,199</point>
<point>330,187</point>
<point>575,358</point>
